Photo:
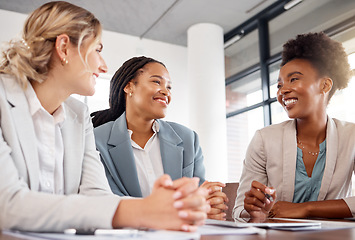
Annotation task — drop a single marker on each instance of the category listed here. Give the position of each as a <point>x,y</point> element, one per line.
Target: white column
<point>207,96</point>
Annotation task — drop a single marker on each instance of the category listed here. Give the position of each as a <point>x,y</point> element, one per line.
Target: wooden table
<point>343,234</point>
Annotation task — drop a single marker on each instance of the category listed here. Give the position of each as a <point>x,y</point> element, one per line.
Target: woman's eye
<point>293,79</point>
<point>157,81</point>
<point>278,86</point>
<point>169,87</point>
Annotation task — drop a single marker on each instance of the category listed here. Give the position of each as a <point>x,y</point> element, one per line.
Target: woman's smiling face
<point>149,94</point>
<point>300,89</point>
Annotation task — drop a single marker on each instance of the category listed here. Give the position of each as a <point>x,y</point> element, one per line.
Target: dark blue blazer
<point>180,152</point>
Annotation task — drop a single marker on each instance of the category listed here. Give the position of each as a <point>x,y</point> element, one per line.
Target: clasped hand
<point>217,199</point>
<point>181,204</point>
<point>256,203</point>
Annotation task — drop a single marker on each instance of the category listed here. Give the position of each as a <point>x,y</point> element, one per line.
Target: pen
<point>268,196</point>
<point>116,232</point>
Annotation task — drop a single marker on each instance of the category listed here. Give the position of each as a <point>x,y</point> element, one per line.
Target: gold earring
<point>64,61</point>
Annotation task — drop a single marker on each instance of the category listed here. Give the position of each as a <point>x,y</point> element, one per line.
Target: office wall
<point>120,47</point>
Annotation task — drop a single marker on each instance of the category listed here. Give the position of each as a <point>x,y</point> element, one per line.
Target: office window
<point>99,101</point>
<point>278,114</point>
<point>242,54</point>
<point>274,70</point>
<point>341,105</point>
<point>244,93</point>
<point>241,129</point>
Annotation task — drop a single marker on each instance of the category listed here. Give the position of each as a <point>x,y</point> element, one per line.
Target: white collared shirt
<point>49,144</point>
<point>148,161</point>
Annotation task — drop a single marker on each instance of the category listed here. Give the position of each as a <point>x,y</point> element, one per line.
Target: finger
<point>185,186</point>
<point>257,193</point>
<point>216,200</point>
<point>215,211</point>
<point>222,207</point>
<point>252,200</point>
<point>220,216</point>
<point>258,185</point>
<point>267,191</point>
<point>219,195</point>
<point>192,217</point>
<point>204,184</point>
<point>213,184</point>
<point>163,181</point>
<point>272,192</point>
<point>188,228</point>
<point>192,202</point>
<point>250,207</point>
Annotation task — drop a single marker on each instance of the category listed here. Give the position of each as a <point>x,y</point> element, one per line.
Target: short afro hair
<point>326,55</point>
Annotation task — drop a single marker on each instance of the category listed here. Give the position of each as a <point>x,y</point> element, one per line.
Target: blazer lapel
<point>289,147</point>
<point>171,153</point>
<point>123,158</point>
<point>331,156</point>
<point>73,148</point>
<point>24,127</point>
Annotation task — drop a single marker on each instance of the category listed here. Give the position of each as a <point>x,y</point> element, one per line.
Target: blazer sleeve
<point>24,209</point>
<point>254,168</point>
<point>114,188</point>
<point>346,148</point>
<point>199,168</point>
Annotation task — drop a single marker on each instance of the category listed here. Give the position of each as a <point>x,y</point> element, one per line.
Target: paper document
<point>146,235</point>
<point>273,223</point>
<point>223,230</point>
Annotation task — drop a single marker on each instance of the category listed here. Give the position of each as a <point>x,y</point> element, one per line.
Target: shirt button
<point>48,184</point>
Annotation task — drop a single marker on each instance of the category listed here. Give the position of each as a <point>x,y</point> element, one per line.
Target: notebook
<point>270,223</point>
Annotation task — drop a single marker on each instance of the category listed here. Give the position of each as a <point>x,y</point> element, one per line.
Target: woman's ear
<point>62,46</point>
<point>128,88</point>
<point>327,84</point>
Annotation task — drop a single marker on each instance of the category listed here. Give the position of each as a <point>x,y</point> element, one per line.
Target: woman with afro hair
<point>302,168</point>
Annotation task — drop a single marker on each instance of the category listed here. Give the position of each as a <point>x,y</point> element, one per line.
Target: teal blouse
<point>307,188</point>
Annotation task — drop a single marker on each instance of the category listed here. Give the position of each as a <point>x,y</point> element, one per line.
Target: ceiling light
<point>233,40</point>
<point>291,4</point>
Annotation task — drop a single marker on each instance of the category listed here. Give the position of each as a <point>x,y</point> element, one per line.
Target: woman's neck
<point>141,128</point>
<point>49,95</point>
<point>139,124</point>
<point>312,131</point>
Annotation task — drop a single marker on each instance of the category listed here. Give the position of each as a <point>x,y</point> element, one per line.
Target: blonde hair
<point>28,59</point>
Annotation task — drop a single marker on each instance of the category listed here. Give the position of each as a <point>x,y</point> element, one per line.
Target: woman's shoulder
<point>345,127</point>
<point>176,126</point>
<point>278,127</point>
<point>341,123</point>
<point>76,105</point>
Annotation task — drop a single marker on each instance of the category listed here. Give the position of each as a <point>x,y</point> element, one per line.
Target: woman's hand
<point>336,208</point>
<point>217,199</point>
<point>173,205</point>
<point>282,209</point>
<point>255,201</point>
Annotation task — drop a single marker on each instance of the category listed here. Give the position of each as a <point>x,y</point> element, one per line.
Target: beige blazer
<point>88,201</point>
<point>271,160</point>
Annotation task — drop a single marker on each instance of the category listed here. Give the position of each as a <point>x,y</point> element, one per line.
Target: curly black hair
<point>127,72</point>
<point>325,54</point>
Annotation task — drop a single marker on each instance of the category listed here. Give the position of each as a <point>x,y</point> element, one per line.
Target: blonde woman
<point>51,177</point>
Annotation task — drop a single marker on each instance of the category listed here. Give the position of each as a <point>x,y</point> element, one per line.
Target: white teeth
<point>160,100</point>
<point>289,101</point>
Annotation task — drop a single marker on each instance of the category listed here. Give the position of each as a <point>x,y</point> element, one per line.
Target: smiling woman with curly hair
<point>307,161</point>
<point>326,55</point>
